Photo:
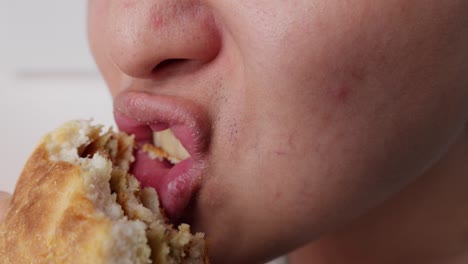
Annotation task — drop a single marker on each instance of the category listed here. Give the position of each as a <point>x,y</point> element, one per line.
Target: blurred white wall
<point>47,76</point>
<point>44,35</point>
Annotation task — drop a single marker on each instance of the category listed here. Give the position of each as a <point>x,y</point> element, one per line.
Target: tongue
<point>149,172</point>
<point>172,183</point>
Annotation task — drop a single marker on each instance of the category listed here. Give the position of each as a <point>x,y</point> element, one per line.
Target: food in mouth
<point>77,202</point>
<point>166,147</point>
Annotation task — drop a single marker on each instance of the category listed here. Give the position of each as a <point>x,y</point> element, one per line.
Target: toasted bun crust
<point>49,212</point>
<point>76,203</point>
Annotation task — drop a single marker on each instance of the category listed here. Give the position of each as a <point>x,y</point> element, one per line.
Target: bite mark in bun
<point>75,202</point>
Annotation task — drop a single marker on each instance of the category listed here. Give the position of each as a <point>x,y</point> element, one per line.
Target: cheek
<point>344,114</point>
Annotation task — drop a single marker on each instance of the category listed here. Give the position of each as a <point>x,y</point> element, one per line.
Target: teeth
<point>166,141</point>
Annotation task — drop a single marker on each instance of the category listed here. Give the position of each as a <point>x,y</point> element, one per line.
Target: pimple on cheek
<point>342,82</point>
<point>278,195</point>
<point>340,94</point>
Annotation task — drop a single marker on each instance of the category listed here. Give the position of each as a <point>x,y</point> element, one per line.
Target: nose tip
<point>150,35</point>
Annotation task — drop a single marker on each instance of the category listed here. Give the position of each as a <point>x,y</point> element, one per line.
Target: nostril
<point>168,64</point>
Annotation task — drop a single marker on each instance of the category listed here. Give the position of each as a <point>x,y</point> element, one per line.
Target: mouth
<point>171,136</point>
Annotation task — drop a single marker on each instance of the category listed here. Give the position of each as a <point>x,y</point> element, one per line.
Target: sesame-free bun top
<point>75,202</point>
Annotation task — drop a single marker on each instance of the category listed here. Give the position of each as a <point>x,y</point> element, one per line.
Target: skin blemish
<point>349,77</point>
<point>278,195</point>
<point>340,94</point>
<point>160,18</point>
<point>162,15</point>
<point>157,21</point>
<point>280,152</point>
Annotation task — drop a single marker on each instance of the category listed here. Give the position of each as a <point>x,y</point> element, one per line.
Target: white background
<point>47,76</point>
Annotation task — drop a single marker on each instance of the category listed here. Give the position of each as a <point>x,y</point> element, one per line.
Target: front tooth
<point>171,145</point>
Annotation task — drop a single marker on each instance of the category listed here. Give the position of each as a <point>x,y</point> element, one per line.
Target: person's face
<point>312,111</point>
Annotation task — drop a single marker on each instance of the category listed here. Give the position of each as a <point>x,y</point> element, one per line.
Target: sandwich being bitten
<point>76,202</point>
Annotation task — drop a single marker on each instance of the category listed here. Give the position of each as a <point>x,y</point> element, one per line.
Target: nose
<point>147,36</point>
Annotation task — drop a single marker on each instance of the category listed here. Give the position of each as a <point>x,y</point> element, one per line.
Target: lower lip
<point>175,185</point>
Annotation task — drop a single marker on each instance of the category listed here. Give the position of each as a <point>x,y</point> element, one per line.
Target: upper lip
<point>141,113</point>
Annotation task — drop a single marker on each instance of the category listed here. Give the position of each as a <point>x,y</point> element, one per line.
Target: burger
<point>77,202</point>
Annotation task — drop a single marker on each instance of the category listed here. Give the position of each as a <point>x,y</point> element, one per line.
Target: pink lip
<point>142,113</point>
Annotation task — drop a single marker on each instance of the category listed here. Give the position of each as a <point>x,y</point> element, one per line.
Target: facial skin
<point>319,110</point>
